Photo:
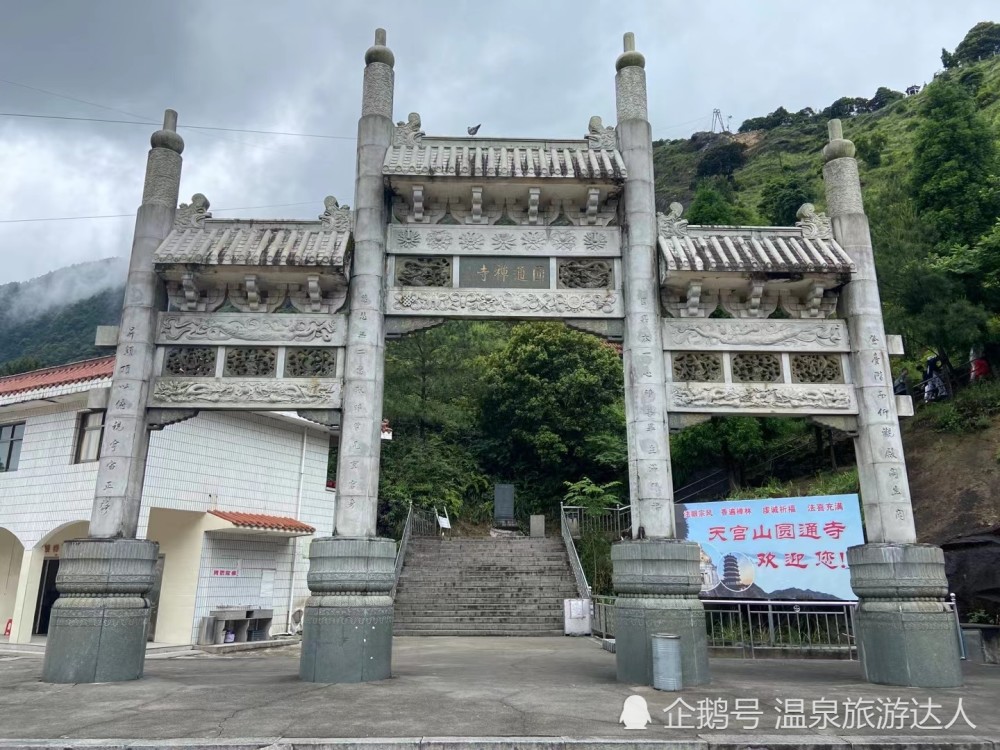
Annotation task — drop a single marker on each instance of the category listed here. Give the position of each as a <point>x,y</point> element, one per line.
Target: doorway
<point>154,596</point>
<point>47,595</point>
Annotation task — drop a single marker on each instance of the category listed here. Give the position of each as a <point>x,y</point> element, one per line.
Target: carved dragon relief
<point>246,392</point>
<point>458,301</point>
<point>408,133</point>
<point>336,216</point>
<point>814,225</point>
<point>192,215</point>
<point>671,224</point>
<point>770,333</point>
<point>600,137</point>
<point>220,328</point>
<point>689,396</point>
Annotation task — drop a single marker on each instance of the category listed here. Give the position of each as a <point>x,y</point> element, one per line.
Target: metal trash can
<point>667,662</point>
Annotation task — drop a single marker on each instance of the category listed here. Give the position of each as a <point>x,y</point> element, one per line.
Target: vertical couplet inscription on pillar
<point>650,486</point>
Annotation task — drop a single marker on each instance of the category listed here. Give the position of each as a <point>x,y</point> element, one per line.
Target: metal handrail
<point>582,587</point>
<point>401,552</point>
<point>616,521</point>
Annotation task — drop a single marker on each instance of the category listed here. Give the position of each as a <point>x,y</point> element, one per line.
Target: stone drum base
<point>346,639</point>
<point>906,633</point>
<point>657,582</point>
<point>347,627</point>
<point>99,624</point>
<point>637,620</point>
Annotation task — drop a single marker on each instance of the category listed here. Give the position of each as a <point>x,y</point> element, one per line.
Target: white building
<point>232,498</point>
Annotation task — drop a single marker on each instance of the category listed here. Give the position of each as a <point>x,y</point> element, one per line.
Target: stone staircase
<point>472,586</point>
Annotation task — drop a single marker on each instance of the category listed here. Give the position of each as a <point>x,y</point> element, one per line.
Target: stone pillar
<point>350,611</point>
<point>656,577</point>
<point>905,633</point>
<point>97,632</point>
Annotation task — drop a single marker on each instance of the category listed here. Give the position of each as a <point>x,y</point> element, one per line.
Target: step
<point>476,611</point>
<point>457,589</point>
<point>540,624</point>
<point>510,601</point>
<point>464,629</point>
<point>495,633</point>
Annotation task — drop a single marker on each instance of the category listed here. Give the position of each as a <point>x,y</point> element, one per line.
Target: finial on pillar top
<point>630,58</point>
<point>168,137</point>
<point>838,147</point>
<point>379,52</point>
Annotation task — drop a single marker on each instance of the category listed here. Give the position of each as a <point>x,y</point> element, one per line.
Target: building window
<point>88,440</point>
<point>11,437</point>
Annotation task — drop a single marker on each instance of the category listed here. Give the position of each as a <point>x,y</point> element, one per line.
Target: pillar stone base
<point>657,583</point>
<point>99,623</point>
<point>905,632</point>
<point>347,627</point>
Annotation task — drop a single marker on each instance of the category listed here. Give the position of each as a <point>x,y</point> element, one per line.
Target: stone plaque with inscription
<point>504,273</point>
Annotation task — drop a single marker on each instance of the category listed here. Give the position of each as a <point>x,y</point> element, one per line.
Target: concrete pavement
<point>449,687</point>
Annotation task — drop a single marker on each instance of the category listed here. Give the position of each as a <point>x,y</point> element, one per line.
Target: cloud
<point>523,69</point>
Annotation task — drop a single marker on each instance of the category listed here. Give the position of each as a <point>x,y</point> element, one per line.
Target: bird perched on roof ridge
<point>474,129</point>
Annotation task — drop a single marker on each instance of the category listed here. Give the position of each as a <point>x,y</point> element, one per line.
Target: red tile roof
<point>260,521</point>
<point>77,372</point>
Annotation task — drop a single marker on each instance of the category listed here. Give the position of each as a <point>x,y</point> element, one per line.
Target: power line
<point>122,111</point>
<point>192,127</point>
<point>132,215</point>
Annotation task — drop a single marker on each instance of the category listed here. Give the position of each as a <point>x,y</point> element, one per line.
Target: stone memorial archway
<point>241,314</point>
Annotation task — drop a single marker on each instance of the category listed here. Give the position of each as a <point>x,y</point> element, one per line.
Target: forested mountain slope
<point>52,319</point>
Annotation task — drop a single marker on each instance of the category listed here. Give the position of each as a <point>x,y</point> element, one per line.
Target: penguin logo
<point>635,713</point>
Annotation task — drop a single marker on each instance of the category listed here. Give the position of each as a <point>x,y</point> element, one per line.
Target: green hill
<point>795,148</point>
<point>52,319</point>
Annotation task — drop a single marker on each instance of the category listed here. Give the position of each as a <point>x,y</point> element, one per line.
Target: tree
<point>713,204</point>
<point>723,159</point>
<point>19,365</point>
<point>884,96</point>
<point>432,400</point>
<point>731,443</point>
<point>432,376</point>
<point>982,41</point>
<point>954,165</point>
<point>870,148</point>
<point>552,411</point>
<point>783,197</point>
<point>594,545</point>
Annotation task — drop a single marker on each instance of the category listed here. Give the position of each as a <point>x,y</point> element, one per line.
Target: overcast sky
<point>529,69</point>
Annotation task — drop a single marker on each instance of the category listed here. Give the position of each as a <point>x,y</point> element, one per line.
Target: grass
<point>972,409</point>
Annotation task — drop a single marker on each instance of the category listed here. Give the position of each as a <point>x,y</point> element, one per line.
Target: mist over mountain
<point>52,319</point>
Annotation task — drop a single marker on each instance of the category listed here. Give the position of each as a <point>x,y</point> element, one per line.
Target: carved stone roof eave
<point>509,159</point>
<point>744,249</point>
<point>257,243</point>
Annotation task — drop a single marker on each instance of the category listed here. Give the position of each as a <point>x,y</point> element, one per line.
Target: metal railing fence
<point>749,628</point>
<point>424,522</point>
<point>615,522</point>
